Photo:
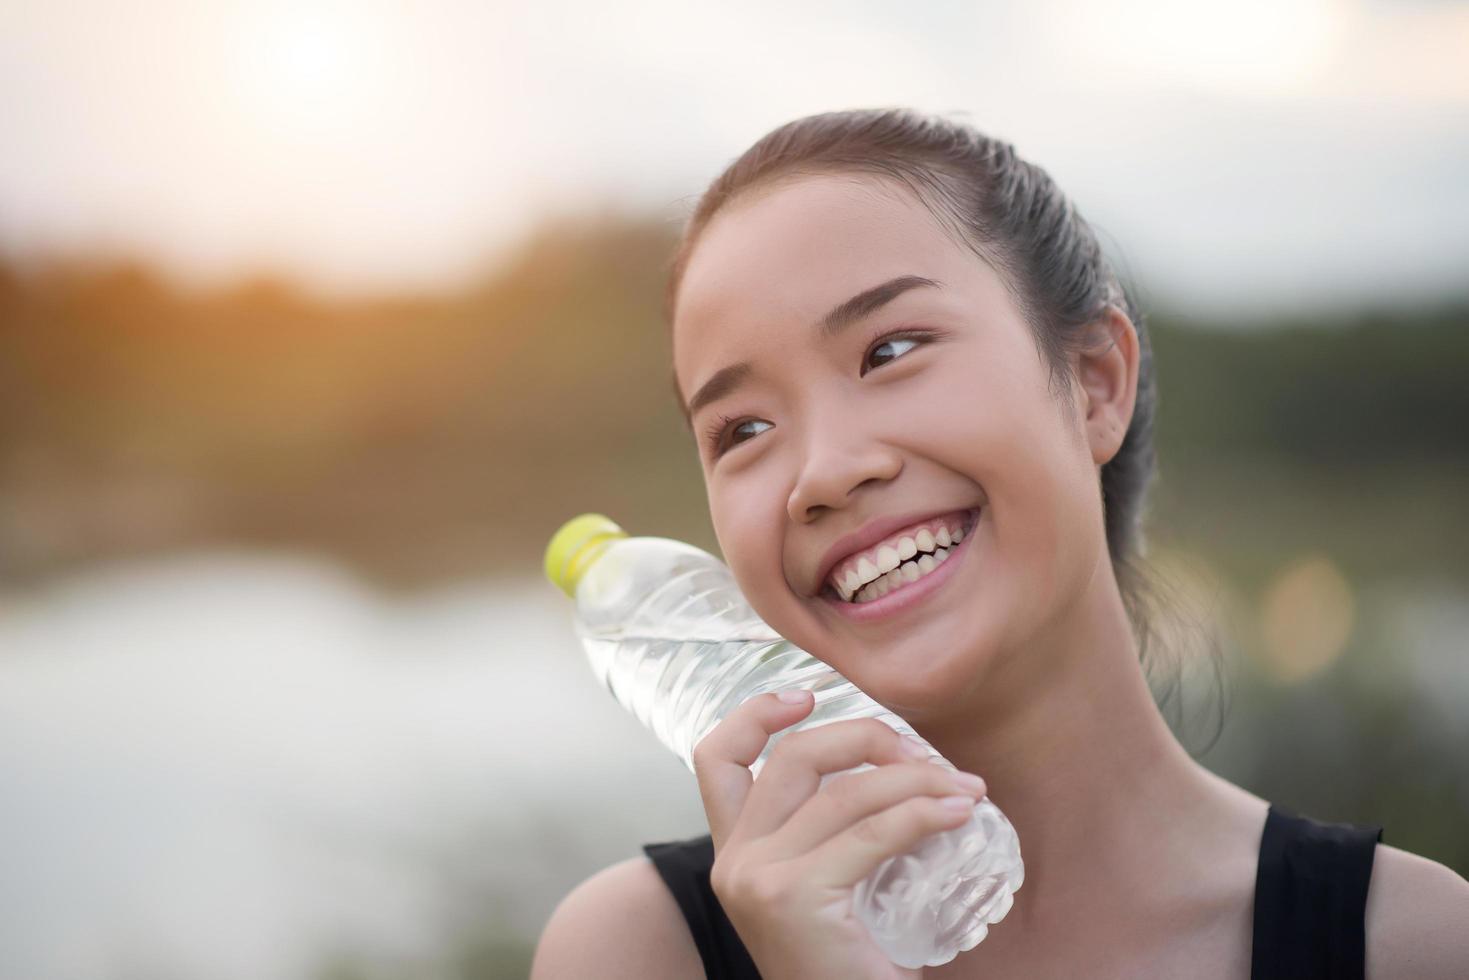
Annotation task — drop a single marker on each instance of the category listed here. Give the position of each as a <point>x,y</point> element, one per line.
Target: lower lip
<point>909,594</point>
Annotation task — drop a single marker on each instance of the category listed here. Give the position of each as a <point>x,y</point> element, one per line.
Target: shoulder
<point>1417,918</point>
<point>620,922</point>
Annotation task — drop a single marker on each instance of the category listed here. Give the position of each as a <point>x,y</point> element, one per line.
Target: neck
<point>1075,753</point>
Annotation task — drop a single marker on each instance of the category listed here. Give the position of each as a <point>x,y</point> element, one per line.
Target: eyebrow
<point>727,379</point>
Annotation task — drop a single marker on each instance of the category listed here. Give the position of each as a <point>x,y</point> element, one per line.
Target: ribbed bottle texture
<point>668,631</point>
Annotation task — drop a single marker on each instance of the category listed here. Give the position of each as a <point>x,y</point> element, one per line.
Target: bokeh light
<point>1306,619</point>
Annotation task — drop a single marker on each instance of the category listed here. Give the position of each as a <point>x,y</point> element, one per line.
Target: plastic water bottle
<point>669,633</point>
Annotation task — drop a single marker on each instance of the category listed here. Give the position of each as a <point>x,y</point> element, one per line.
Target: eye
<point>715,433</point>
<point>890,340</point>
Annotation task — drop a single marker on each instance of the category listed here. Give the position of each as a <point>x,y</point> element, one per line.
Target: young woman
<point>886,325</point>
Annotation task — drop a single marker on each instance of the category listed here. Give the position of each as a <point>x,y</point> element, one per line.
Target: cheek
<point>1049,517</point>
<point>749,537</point>
<point>1008,437</point>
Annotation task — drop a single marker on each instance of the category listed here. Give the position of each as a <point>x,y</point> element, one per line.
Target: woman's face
<point>927,407</point>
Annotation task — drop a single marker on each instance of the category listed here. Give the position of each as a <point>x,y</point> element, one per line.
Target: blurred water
<point>231,765</point>
<point>227,765</point>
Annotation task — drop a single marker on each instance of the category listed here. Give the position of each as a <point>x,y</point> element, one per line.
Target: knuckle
<point>843,790</point>
<point>841,797</point>
<point>932,810</point>
<point>703,752</point>
<point>786,744</point>
<point>742,886</point>
<point>874,729</point>
<point>791,745</point>
<point>938,779</point>
<point>868,831</point>
<point>925,777</point>
<point>731,877</point>
<point>767,889</point>
<point>721,878</point>
<point>915,813</point>
<point>700,762</point>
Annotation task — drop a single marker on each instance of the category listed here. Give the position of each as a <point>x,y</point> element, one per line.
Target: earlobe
<point>1108,374</point>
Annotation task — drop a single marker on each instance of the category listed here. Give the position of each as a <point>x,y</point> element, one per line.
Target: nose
<point>838,461</point>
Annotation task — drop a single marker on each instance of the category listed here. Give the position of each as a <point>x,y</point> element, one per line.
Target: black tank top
<point>1310,900</point>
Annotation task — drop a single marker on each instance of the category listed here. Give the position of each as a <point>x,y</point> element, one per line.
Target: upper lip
<point>870,534</point>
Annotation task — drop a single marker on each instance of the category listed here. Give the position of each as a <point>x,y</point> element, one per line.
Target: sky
<point>1238,158</point>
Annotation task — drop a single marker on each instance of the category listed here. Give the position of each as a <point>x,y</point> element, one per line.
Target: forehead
<point>775,262</point>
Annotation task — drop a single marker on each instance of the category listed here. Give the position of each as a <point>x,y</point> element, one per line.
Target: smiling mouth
<point>923,563</point>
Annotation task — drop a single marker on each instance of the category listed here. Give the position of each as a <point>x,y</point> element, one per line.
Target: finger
<point>722,758</point>
<point>855,853</point>
<point>795,766</point>
<point>847,798</point>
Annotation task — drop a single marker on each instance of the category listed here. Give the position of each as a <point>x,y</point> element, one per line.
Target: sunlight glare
<point>307,68</point>
<point>1265,46</point>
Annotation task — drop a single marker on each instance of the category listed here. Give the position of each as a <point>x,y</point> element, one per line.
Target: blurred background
<point>316,320</point>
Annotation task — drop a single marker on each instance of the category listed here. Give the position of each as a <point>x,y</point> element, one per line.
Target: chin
<point>912,681</point>
<point>917,694</point>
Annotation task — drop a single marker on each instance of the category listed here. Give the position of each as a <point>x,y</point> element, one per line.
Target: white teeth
<point>907,572</point>
<point>891,566</point>
<point>887,558</point>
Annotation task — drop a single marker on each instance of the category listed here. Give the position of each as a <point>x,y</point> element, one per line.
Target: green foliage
<point>424,437</point>
<point>1372,390</point>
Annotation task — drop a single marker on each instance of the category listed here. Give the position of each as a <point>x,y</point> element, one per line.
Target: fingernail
<point>792,697</point>
<point>958,802</point>
<point>968,780</point>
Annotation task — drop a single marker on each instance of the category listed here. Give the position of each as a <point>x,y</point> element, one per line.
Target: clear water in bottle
<point>669,633</point>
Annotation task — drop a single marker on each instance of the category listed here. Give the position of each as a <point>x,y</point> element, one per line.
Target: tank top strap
<point>684,867</point>
<point>1311,898</point>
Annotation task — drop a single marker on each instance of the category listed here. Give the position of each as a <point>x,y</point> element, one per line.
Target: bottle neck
<point>586,556</point>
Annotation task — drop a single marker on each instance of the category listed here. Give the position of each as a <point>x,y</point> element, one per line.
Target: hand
<point>788,850</point>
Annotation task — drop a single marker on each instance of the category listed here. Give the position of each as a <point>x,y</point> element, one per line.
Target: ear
<point>1107,373</point>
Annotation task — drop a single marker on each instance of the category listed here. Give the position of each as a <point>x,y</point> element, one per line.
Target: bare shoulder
<point>1417,918</point>
<point>622,922</point>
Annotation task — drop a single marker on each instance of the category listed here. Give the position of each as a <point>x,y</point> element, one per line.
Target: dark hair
<point>1015,218</point>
